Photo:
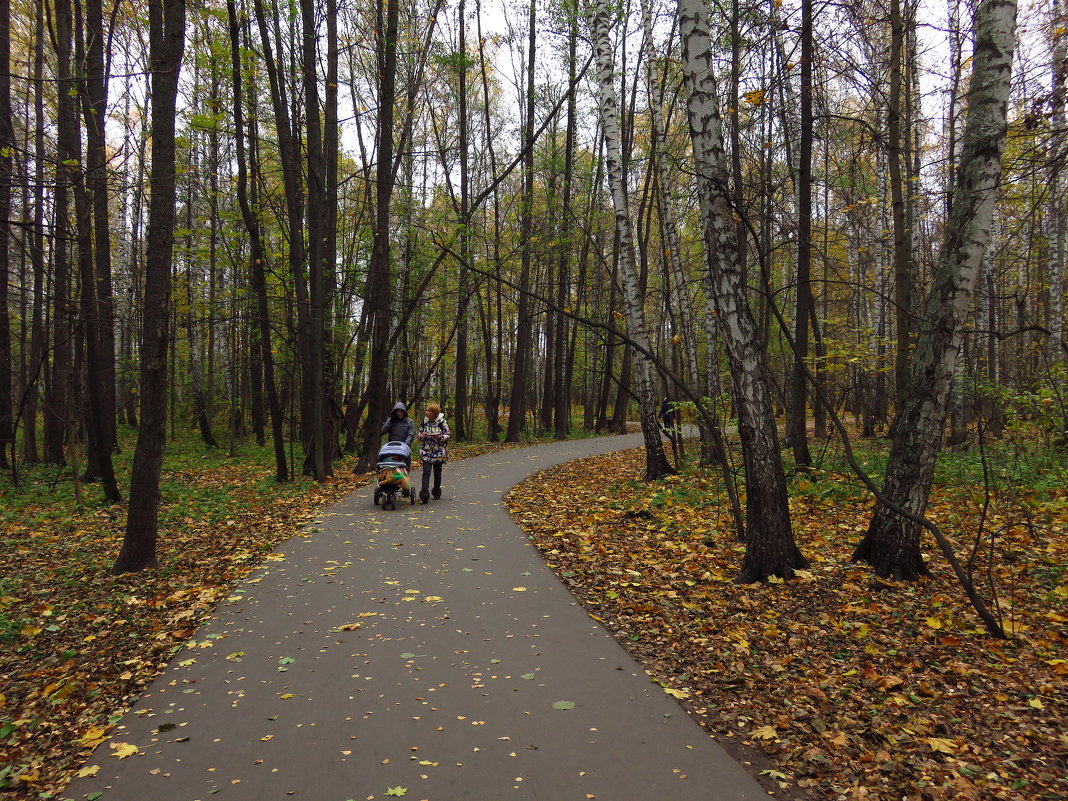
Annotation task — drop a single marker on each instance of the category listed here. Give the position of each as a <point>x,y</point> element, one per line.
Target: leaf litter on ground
<point>838,685</point>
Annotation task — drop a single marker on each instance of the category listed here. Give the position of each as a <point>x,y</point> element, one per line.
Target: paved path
<point>448,688</point>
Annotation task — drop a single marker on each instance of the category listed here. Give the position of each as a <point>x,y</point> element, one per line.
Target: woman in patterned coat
<point>433,449</point>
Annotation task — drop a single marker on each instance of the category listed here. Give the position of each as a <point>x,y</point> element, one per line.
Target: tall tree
<point>656,464</point>
<point>37,249</point>
<point>97,290</point>
<point>166,43</point>
<point>770,547</point>
<point>892,543</point>
<point>257,254</point>
<point>464,275</point>
<point>897,134</point>
<point>378,278</point>
<point>803,305</point>
<point>1057,184</point>
<point>7,150</point>
<point>561,382</point>
<point>316,458</point>
<point>517,401</point>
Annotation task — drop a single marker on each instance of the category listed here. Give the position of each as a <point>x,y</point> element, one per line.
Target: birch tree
<point>770,548</point>
<point>892,543</point>
<point>608,108</point>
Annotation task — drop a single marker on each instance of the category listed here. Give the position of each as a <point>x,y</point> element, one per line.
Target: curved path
<point>447,686</point>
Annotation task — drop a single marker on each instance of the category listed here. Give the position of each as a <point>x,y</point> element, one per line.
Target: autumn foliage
<point>847,687</point>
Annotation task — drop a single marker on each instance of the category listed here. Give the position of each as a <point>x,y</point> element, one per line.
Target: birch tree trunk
<point>892,544</point>
<point>770,548</point>
<point>633,303</point>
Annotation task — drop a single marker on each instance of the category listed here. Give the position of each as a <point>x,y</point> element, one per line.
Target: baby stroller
<point>394,464</point>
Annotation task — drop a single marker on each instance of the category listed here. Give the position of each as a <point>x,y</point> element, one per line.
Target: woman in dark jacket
<point>399,426</point>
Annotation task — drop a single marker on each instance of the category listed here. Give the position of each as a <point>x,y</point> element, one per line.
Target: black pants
<point>436,467</point>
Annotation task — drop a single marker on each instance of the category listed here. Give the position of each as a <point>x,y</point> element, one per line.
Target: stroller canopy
<point>395,449</point>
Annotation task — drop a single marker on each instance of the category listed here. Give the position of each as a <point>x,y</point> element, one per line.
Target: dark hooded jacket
<point>399,429</point>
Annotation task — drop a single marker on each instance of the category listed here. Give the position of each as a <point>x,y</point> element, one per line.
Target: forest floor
<point>835,685</point>
<point>78,645</point>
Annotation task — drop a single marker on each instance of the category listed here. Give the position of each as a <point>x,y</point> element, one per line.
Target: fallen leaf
<point>942,745</point>
<point>123,750</point>
<point>764,733</point>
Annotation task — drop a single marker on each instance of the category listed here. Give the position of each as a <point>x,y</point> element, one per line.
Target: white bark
<point>770,548</point>
<point>892,544</point>
<point>634,305</point>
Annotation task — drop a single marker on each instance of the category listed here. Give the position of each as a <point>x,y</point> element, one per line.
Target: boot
<point>437,493</point>
<point>424,496</point>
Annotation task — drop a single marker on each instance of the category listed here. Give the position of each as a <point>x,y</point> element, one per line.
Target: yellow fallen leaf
<point>349,626</point>
<point>519,589</point>
<point>95,736</point>
<point>764,733</point>
<point>1036,703</point>
<point>123,750</point>
<point>942,745</point>
<point>677,693</point>
<point>284,696</point>
<point>88,770</point>
<point>429,599</point>
<point>275,557</point>
<point>933,622</point>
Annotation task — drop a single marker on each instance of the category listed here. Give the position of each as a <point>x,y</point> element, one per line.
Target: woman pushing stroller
<point>399,425</point>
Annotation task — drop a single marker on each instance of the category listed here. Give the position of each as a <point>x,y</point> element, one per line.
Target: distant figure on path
<point>669,420</point>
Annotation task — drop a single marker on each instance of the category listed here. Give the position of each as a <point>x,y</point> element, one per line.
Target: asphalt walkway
<point>424,652</point>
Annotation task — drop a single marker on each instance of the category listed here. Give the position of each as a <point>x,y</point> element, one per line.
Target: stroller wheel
<point>378,497</point>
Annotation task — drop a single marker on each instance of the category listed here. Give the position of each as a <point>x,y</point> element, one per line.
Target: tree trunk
<point>57,415</point>
<point>7,150</point>
<point>1057,183</point>
<point>524,324</point>
<point>803,306</point>
<point>166,42</point>
<point>257,256</point>
<point>378,281</point>
<point>561,383</point>
<point>316,459</point>
<point>770,548</point>
<point>656,464</point>
<point>37,251</point>
<point>903,269</point>
<point>892,544</point>
<point>463,282</point>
